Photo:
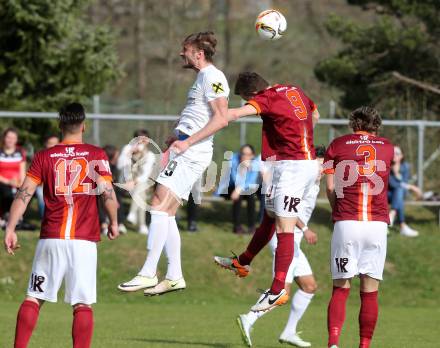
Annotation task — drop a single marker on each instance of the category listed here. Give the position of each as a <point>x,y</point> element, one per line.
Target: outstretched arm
<point>245,110</point>
<point>19,205</point>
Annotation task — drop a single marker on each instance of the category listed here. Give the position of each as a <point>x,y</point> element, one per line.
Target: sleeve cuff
<point>255,105</point>
<point>34,178</point>
<point>105,178</point>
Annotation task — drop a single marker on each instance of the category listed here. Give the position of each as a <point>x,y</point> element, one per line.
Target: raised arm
<point>19,205</point>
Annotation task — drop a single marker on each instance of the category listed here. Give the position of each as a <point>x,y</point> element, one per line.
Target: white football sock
<point>156,240</point>
<point>300,302</point>
<point>252,317</point>
<point>172,250</point>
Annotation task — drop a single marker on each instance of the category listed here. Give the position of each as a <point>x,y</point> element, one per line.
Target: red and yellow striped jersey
<point>287,132</point>
<point>70,174</point>
<point>361,165</point>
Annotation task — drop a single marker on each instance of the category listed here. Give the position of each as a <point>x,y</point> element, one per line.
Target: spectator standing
<point>244,175</point>
<point>397,189</point>
<point>12,170</point>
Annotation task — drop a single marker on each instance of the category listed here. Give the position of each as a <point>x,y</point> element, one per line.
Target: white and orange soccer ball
<point>270,25</point>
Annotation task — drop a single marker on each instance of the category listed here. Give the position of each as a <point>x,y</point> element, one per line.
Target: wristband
<point>304,228</point>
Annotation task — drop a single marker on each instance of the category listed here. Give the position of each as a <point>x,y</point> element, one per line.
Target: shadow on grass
<point>177,342</point>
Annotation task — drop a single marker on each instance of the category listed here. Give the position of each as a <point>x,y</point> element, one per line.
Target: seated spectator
<point>12,170</point>
<point>50,141</point>
<point>244,175</point>
<point>113,154</point>
<point>142,162</point>
<point>397,190</point>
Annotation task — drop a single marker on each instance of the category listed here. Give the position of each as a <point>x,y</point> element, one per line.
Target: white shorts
<point>358,247</point>
<point>73,261</point>
<point>183,171</point>
<point>300,266</point>
<point>291,182</point>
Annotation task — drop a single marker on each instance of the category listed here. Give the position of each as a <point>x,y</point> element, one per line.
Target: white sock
<point>156,240</point>
<point>172,250</point>
<point>252,317</point>
<point>300,302</point>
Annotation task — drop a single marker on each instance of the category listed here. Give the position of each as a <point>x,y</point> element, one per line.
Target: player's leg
<point>174,278</point>
<point>369,311</point>
<point>263,234</point>
<point>277,295</point>
<point>336,310</point>
<point>300,301</point>
<point>80,284</point>
<point>163,203</point>
<point>27,318</point>
<point>344,266</point>
<point>371,265</point>
<point>48,271</point>
<point>82,325</point>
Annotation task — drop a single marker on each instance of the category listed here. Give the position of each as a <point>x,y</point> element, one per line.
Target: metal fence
<point>113,122</point>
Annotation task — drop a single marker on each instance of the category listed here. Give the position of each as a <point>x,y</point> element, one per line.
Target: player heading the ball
<point>287,143</point>
<point>204,114</point>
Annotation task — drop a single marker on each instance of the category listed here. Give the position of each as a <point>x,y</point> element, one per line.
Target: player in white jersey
<point>299,271</point>
<point>204,114</point>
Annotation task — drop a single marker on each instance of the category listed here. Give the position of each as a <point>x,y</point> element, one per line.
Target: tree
<point>50,55</point>
<point>393,63</point>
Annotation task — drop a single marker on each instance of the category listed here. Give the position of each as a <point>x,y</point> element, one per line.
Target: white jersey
<point>210,84</point>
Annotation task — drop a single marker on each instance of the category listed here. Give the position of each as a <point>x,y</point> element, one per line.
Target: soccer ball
<point>270,25</point>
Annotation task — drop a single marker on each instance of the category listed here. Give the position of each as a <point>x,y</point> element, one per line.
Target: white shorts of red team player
<point>71,261</point>
<point>290,183</point>
<point>358,247</point>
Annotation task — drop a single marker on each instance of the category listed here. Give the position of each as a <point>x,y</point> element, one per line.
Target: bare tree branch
<point>422,85</point>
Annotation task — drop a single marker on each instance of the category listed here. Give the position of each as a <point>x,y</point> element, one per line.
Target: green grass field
<point>204,314</point>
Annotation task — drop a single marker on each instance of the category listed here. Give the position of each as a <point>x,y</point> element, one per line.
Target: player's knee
<point>34,300</point>
<point>79,305</point>
<point>310,287</point>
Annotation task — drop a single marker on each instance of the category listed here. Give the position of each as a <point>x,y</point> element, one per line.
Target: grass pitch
<point>204,314</point>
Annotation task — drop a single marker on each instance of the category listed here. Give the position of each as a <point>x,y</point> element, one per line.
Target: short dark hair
<point>205,41</point>
<point>249,83</point>
<point>71,116</point>
<point>242,147</point>
<point>5,133</point>
<point>50,136</point>
<point>10,130</point>
<point>141,133</point>
<point>365,119</point>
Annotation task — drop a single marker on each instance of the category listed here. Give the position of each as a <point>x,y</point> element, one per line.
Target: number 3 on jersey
<point>70,176</point>
<point>369,154</point>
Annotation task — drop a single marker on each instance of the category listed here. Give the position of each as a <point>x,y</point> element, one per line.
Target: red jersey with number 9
<point>287,132</point>
<point>70,174</point>
<point>361,164</point>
